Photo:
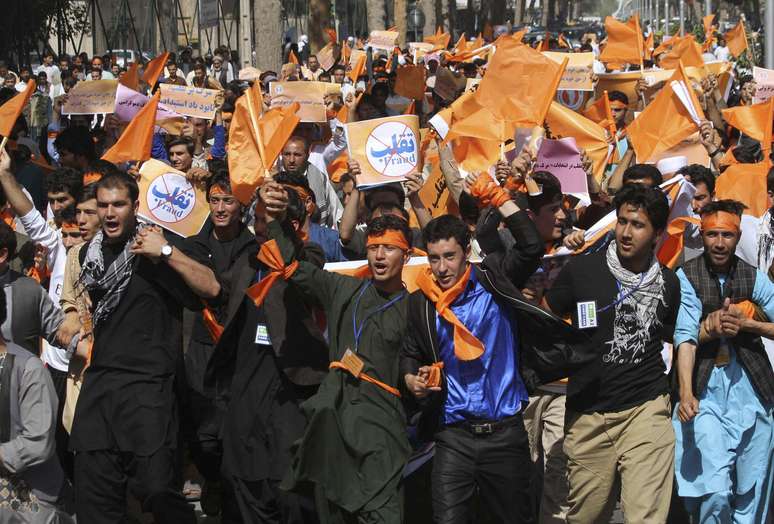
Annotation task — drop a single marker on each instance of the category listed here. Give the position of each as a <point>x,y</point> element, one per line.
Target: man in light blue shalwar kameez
<point>723,425</point>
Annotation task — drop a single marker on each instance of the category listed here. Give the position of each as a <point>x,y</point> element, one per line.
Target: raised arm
<point>19,202</point>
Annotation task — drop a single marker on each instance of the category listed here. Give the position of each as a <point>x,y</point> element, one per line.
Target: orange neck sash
<point>466,346</point>
<point>271,257</point>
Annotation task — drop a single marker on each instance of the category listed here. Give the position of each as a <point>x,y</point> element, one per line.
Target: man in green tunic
<point>355,445</point>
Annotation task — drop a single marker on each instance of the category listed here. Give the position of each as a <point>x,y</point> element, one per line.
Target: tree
<point>268,34</point>
<point>377,15</point>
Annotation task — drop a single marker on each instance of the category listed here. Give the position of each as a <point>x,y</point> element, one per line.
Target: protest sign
<point>578,75</point>
<point>410,82</point>
<point>88,98</point>
<point>129,102</point>
<point>325,57</point>
<point>691,148</point>
<point>385,40</point>
<point>562,159</point>
<point>195,102</point>
<point>472,84</point>
<point>169,200</point>
<point>764,84</point>
<point>627,82</point>
<point>386,148</point>
<point>420,49</point>
<point>309,95</point>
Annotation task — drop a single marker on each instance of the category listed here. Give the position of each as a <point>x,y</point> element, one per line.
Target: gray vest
<point>739,286</point>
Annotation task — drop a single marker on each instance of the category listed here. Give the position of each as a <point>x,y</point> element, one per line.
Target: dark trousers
<point>66,459</point>
<point>101,479</point>
<point>496,466</point>
<point>262,502</point>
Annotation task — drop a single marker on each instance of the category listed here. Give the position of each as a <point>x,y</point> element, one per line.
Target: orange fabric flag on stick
<point>154,68</point>
<point>357,69</point>
<point>601,113</point>
<point>292,58</point>
<point>707,23</point>
<point>652,132</point>
<point>11,110</point>
<point>754,121</point>
<point>461,45</point>
<point>135,142</point>
<point>131,78</point>
<point>745,183</point>
<point>519,85</point>
<point>736,39</point>
<point>624,41</point>
<point>564,122</point>
<point>647,50</point>
<point>440,39</point>
<point>255,142</point>
<point>686,51</point>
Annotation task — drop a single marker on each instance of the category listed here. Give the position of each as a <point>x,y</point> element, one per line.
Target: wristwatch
<point>166,251</point>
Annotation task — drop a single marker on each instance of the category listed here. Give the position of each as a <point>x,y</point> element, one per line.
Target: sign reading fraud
<point>169,200</point>
<point>386,148</point>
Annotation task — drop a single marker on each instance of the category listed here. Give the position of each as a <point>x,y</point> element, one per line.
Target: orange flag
<point>519,85</point>
<point>564,122</point>
<point>332,36</point>
<point>647,50</point>
<point>461,45</point>
<point>666,45</point>
<point>255,142</point>
<point>745,183</point>
<point>357,69</point>
<point>337,167</point>
<point>154,68</point>
<point>345,52</point>
<point>665,122</point>
<point>292,58</point>
<point>707,23</point>
<point>563,41</point>
<point>736,39</point>
<point>135,142</point>
<point>686,51</point>
<point>754,121</point>
<point>11,110</point>
<point>131,78</point>
<point>601,113</point>
<point>624,41</point>
<point>440,39</point>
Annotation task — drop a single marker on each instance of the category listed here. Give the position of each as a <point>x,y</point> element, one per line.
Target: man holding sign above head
<point>355,446</point>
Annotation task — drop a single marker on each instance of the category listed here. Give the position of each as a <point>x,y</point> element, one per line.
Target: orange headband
<point>70,226</point>
<point>617,104</point>
<point>216,190</point>
<point>91,177</point>
<point>389,238</point>
<point>721,220</point>
<point>302,193</point>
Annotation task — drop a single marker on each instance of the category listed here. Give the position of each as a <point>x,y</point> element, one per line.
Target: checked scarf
<point>113,280</point>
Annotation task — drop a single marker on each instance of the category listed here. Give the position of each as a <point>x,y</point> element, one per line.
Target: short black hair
<point>296,209</point>
<point>87,193</point>
<point>339,67</point>
<point>640,171</point>
<point>346,177</point>
<point>7,241</point>
<point>651,200</point>
<point>103,167</point>
<point>292,179</point>
<point>120,181</point>
<point>551,191</point>
<point>78,141</point>
<point>65,180</point>
<point>699,175</point>
<point>67,214</point>
<point>394,188</point>
<point>618,96</point>
<point>748,152</point>
<point>445,227</point>
<point>186,141</point>
<point>380,225</point>
<point>380,87</point>
<point>468,207</point>
<point>770,180</point>
<point>728,205</point>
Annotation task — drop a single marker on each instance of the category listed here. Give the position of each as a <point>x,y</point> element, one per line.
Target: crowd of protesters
<point>542,369</point>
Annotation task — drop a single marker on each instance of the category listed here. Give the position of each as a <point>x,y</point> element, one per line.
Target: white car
<point>127,56</point>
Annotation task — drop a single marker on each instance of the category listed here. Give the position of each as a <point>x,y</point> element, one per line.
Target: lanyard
<point>623,297</point>
<point>359,330</point>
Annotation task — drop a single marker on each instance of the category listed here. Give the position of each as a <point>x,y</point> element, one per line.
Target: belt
<point>487,427</point>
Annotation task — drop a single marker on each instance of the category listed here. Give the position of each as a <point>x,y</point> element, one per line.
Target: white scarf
<point>635,308</point>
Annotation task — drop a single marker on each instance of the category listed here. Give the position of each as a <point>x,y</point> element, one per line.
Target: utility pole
<point>246,34</point>
<point>682,17</point>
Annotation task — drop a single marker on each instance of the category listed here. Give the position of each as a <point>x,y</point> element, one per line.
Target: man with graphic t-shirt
<point>618,426</point>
